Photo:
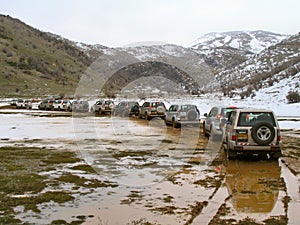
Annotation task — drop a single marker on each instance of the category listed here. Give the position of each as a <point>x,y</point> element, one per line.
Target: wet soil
<point>103,170</point>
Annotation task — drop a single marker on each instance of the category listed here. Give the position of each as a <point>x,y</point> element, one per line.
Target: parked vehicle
<point>252,132</point>
<point>80,106</point>
<point>46,105</point>
<point>65,105</point>
<point>14,101</point>
<point>215,120</point>
<point>126,108</point>
<point>180,114</point>
<point>24,104</point>
<point>152,109</point>
<point>103,106</point>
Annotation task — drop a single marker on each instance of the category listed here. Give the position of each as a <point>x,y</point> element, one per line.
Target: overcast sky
<point>120,22</point>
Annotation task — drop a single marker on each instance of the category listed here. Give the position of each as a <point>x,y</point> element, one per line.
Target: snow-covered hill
<point>246,41</point>
<point>224,51</point>
<point>276,66</point>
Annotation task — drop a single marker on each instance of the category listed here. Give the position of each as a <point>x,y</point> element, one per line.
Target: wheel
<point>174,124</point>
<point>263,133</point>
<point>276,154</point>
<point>231,155</point>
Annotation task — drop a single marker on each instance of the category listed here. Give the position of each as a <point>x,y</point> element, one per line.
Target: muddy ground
<point>59,168</point>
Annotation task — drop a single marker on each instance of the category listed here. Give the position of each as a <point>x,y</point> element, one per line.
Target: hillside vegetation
<point>35,63</point>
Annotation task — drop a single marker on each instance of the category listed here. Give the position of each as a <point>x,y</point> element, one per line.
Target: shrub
<point>293,97</point>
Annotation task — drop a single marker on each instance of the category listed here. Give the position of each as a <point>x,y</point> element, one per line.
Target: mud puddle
<point>130,171</point>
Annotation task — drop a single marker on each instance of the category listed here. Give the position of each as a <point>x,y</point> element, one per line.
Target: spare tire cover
<point>160,109</point>
<point>263,133</point>
<point>192,115</point>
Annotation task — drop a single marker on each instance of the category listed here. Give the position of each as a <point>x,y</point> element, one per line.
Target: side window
<point>171,108</point>
<point>146,104</point>
<point>211,112</point>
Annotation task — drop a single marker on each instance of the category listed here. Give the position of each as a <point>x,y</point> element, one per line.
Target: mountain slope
<point>226,50</point>
<point>37,63</point>
<point>272,65</point>
<point>181,64</point>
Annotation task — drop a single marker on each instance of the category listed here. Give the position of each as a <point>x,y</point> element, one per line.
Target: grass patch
<point>84,167</point>
<point>21,182</point>
<point>84,182</point>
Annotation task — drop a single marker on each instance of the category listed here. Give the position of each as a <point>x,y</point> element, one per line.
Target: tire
<point>276,155</point>
<point>174,124</point>
<point>231,155</point>
<point>192,115</point>
<point>263,133</point>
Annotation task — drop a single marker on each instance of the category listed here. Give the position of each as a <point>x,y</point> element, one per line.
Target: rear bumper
<point>186,122</point>
<point>253,148</point>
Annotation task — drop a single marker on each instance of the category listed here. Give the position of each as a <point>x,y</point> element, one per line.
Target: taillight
<point>219,116</point>
<point>278,135</point>
<point>233,136</point>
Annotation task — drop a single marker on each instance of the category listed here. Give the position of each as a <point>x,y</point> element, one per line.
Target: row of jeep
<point>242,130</point>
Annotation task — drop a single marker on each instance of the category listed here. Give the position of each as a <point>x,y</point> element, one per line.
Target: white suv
<point>180,114</point>
<point>252,132</point>
<point>213,122</point>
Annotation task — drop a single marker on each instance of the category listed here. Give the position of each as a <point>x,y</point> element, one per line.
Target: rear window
<point>250,118</point>
<point>185,108</point>
<point>157,104</point>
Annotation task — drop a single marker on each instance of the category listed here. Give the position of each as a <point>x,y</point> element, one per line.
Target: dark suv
<point>125,108</point>
<point>82,106</point>
<point>152,109</point>
<point>46,104</point>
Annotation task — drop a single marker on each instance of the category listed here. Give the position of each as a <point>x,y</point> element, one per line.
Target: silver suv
<point>103,106</point>
<point>152,109</point>
<point>180,114</point>
<point>62,105</point>
<point>215,120</point>
<point>252,132</point>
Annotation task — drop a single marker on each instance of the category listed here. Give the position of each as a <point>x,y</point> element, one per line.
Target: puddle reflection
<point>253,185</point>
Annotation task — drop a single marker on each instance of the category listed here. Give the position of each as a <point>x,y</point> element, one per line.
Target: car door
<point>145,108</point>
<point>209,118</point>
<point>170,113</point>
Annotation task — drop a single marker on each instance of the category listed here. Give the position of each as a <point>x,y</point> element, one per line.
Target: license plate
<point>242,137</point>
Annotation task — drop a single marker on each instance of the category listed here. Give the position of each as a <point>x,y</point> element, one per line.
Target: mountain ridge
<point>41,63</point>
